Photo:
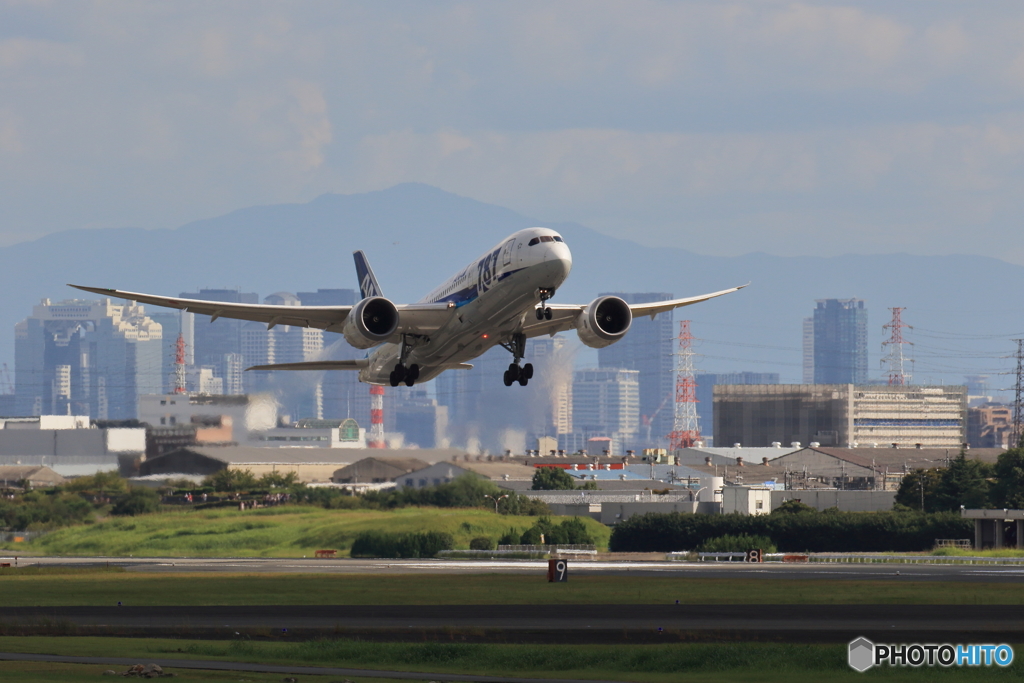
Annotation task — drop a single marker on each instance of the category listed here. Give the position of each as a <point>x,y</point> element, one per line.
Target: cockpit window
<point>544,238</point>
<point>557,238</point>
<point>535,240</point>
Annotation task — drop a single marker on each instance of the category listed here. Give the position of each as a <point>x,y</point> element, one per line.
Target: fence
<point>567,549</point>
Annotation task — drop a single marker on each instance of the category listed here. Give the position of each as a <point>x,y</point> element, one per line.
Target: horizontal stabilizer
<point>315,365</point>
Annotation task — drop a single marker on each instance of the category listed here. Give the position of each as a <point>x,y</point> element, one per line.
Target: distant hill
<point>416,235</point>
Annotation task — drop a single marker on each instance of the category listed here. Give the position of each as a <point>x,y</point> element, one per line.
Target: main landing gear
<point>409,375</point>
<point>517,347</point>
<point>401,373</point>
<point>544,312</point>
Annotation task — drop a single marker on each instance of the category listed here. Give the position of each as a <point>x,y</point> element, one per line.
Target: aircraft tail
<point>367,281</point>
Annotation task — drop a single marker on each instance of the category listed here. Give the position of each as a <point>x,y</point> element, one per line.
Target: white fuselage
<point>489,299</point>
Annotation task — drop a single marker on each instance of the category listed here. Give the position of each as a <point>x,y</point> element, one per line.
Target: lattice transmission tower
<point>895,360</point>
<point>686,426</point>
<point>1018,398</point>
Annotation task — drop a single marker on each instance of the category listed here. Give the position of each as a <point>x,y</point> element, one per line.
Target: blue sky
<point>813,128</point>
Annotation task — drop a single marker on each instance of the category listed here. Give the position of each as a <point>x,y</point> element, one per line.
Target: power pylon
<point>686,426</point>
<point>895,342</point>
<point>1018,399</point>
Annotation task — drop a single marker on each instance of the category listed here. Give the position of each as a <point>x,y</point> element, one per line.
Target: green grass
<point>480,589</point>
<point>700,663</point>
<point>957,552</point>
<point>287,531</point>
<point>45,672</point>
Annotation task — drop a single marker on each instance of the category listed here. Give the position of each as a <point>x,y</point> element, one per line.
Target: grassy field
<point>699,663</point>
<point>42,589</point>
<point>287,531</point>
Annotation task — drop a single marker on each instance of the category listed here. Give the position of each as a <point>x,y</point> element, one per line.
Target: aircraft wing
<point>564,316</point>
<point>412,318</point>
<point>315,365</point>
<point>655,307</point>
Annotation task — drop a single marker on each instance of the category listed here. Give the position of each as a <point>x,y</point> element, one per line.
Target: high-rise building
<point>706,393</point>
<point>420,419</point>
<point>606,402</point>
<point>215,341</point>
<point>648,349</point>
<point>87,357</point>
<point>840,342</point>
<point>808,351</point>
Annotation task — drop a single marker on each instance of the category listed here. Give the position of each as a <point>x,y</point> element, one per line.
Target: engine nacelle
<point>604,322</point>
<point>372,321</point>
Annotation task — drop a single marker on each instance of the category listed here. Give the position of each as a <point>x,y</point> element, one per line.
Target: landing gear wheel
<point>398,375</point>
<point>523,380</point>
<point>393,379</point>
<point>507,378</point>
<point>547,314</point>
<point>412,375</point>
<point>527,371</point>
<point>540,314</point>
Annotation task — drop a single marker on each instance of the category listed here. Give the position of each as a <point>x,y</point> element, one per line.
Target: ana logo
<point>367,286</point>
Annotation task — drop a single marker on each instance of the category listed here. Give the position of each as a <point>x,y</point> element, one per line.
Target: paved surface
<point>538,623</point>
<point>266,668</point>
<point>739,570</point>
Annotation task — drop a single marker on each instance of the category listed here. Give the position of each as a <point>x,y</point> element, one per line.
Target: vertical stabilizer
<point>367,282</point>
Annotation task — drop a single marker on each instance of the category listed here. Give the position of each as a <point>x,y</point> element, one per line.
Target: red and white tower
<point>686,427</point>
<point>179,365</point>
<point>895,342</point>
<point>376,436</point>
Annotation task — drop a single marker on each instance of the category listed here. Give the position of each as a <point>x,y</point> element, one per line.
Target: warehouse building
<point>839,415</point>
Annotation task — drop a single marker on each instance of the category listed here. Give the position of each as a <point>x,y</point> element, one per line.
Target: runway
<point>539,623</point>
<point>768,570</point>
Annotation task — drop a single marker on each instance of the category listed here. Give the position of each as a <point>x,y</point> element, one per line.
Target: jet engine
<point>605,321</point>
<point>370,322</point>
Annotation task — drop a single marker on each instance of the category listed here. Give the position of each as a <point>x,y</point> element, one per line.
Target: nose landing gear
<point>544,312</point>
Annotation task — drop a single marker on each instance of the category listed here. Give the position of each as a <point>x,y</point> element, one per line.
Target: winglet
<point>367,282</point>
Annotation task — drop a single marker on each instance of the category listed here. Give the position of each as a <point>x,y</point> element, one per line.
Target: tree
<point>552,479</point>
<point>276,480</point>
<point>964,483</point>
<point>231,480</point>
<point>138,501</point>
<point>918,486</point>
<point>792,507</point>
<point>1008,490</point>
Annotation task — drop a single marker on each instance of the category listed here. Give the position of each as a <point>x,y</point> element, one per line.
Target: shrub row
<point>418,544</point>
<point>799,532</point>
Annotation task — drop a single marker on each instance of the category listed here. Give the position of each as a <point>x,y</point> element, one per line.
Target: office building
<point>86,357</point>
<point>606,402</point>
<point>648,349</point>
<point>840,342</point>
<point>214,341</point>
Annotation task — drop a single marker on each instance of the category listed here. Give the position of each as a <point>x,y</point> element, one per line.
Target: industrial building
<point>67,444</point>
<point>247,413</point>
<point>445,472</point>
<point>86,357</point>
<point>705,394</point>
<point>841,415</point>
<point>377,470</point>
<point>32,476</point>
<point>312,434</point>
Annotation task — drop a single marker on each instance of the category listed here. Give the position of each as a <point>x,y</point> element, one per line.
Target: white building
<point>606,402</point>
<point>747,500</point>
<point>347,434</point>
<point>247,413</point>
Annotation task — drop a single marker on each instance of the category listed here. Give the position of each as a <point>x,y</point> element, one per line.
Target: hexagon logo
<point>862,654</point>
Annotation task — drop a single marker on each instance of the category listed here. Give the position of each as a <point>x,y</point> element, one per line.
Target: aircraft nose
<point>560,257</point>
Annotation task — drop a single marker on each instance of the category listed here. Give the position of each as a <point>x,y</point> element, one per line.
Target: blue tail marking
<point>367,282</point>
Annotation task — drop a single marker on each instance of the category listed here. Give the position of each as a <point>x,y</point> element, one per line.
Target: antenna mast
<point>685,428</point>
<point>895,342</point>
<point>376,438</point>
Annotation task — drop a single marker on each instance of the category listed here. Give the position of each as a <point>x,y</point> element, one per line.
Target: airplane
<point>501,298</point>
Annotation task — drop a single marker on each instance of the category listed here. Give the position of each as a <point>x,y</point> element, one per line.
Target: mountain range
<point>416,235</point>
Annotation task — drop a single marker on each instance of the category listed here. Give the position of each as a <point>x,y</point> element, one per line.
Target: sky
<point>793,128</point>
